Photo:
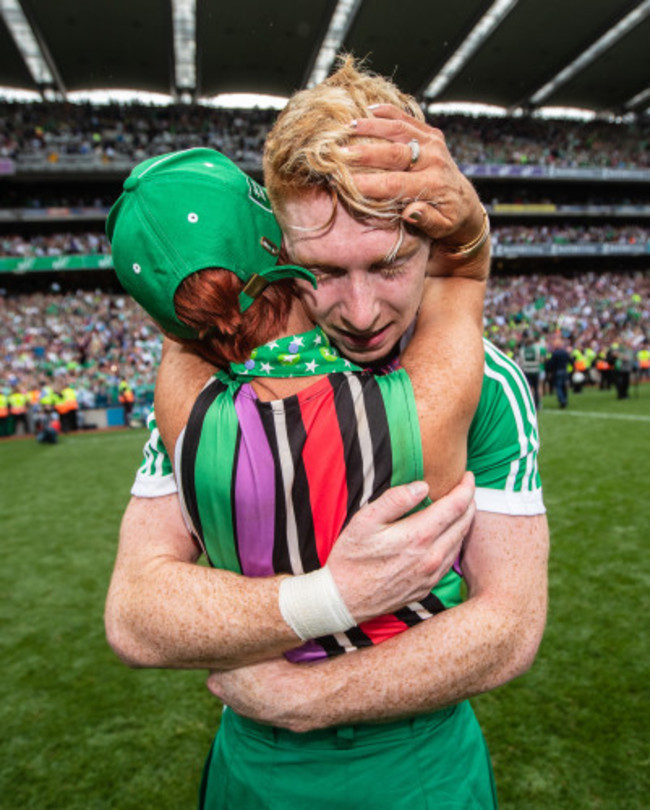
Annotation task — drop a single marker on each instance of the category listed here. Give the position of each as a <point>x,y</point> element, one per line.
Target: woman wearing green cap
<point>289,440</point>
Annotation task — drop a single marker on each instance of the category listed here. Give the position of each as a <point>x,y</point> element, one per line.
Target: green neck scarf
<point>304,355</point>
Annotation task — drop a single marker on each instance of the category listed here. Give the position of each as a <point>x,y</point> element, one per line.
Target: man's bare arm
<point>475,647</point>
<point>164,610</point>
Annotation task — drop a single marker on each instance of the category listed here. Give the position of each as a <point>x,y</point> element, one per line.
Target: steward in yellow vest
<point>18,404</point>
<point>4,415</point>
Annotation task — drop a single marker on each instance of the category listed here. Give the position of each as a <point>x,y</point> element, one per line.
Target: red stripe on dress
<point>383,628</point>
<point>324,462</point>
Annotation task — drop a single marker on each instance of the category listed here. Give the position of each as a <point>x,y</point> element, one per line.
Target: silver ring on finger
<point>414,146</point>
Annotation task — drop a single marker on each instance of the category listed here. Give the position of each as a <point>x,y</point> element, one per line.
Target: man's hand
<point>380,565</point>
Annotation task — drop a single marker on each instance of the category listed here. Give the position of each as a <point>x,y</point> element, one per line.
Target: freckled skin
<point>484,642</point>
<point>477,646</point>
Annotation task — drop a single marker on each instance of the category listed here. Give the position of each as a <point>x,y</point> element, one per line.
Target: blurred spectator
<point>623,367</point>
<point>559,367</point>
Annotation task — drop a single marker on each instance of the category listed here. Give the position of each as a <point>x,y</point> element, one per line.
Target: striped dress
<point>267,487</point>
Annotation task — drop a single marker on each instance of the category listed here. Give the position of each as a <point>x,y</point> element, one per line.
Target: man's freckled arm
<point>475,647</point>
<point>164,610</point>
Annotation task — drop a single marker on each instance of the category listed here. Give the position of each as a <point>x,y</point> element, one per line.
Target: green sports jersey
<point>503,441</point>
<point>502,446</point>
<point>154,476</point>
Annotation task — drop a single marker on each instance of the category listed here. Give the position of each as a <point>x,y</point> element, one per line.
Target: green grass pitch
<point>80,730</point>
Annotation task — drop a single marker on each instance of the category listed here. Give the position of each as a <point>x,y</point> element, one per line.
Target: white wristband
<point>312,606</point>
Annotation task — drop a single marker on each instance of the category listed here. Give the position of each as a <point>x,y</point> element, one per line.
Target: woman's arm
<point>181,376</point>
<point>444,361</point>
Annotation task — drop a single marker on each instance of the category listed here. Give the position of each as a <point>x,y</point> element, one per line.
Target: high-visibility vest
<point>643,356</point>
<point>70,399</point>
<point>18,403</point>
<point>60,404</point>
<point>579,362</point>
<point>48,397</point>
<point>4,406</point>
<point>126,393</point>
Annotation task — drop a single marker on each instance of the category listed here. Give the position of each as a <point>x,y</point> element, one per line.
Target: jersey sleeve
<point>503,441</point>
<point>155,476</point>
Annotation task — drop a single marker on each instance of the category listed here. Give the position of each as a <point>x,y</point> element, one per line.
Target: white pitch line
<point>594,414</point>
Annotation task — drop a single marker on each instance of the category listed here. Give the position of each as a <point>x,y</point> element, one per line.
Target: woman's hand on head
<point>440,200</point>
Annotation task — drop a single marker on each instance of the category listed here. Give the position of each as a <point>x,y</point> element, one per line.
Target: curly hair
<point>208,301</point>
<point>303,151</point>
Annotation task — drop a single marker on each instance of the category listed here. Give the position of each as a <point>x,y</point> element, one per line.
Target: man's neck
<point>379,365</point>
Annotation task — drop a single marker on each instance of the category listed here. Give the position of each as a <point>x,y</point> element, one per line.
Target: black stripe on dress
<point>410,617</point>
<point>358,638</point>
<point>190,449</point>
<point>330,645</point>
<point>432,604</point>
<point>380,435</point>
<point>348,429</point>
<point>300,498</point>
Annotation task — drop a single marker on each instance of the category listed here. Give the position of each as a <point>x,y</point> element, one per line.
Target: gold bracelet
<point>472,248</point>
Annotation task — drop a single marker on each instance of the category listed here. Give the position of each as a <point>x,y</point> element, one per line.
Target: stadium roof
<point>591,54</point>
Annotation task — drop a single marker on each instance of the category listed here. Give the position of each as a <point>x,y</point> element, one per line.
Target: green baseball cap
<point>186,211</point>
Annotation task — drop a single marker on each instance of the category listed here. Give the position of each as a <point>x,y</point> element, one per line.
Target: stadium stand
<point>567,200</point>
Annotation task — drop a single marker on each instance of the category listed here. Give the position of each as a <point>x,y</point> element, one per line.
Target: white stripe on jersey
<point>287,471</point>
<point>509,503</point>
<point>502,360</point>
<point>365,439</point>
<point>521,435</point>
<point>514,374</point>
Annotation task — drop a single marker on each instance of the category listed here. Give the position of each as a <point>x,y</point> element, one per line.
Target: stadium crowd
<point>137,131</point>
<point>103,347</point>
<point>61,244</point>
<point>57,244</point>
<point>562,234</point>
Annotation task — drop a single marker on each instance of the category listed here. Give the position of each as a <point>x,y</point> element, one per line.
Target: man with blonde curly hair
<point>371,203</point>
<point>328,171</point>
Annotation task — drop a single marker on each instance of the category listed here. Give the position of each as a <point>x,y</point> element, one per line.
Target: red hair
<point>208,301</point>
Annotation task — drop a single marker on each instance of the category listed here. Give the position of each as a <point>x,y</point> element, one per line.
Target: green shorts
<point>437,760</point>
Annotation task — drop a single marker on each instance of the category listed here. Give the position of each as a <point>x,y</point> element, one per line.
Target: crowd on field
<point>138,131</point>
<point>591,309</point>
